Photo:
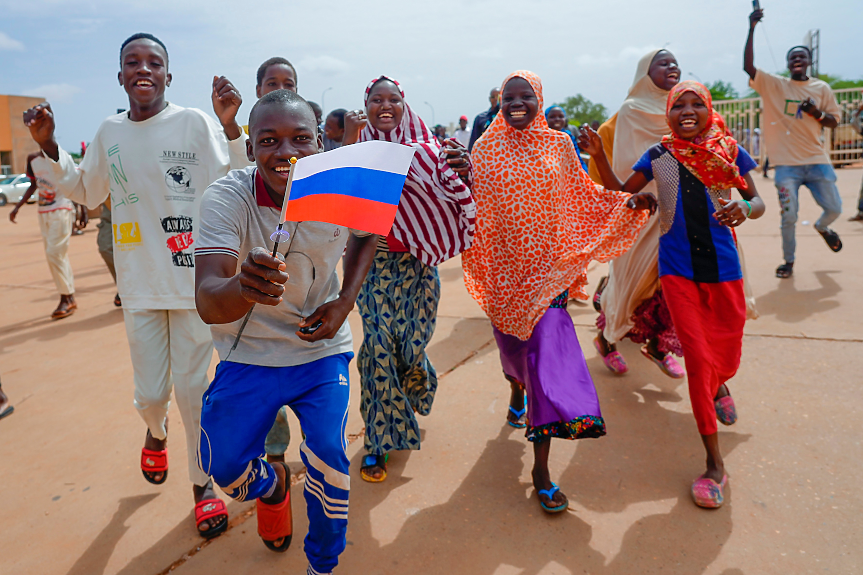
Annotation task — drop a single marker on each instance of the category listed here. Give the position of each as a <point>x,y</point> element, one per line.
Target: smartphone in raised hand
<point>756,5</point>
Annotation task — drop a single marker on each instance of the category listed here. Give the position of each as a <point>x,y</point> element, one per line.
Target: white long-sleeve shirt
<point>156,172</point>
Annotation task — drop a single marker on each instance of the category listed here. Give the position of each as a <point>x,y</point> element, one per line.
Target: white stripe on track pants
<point>170,348</point>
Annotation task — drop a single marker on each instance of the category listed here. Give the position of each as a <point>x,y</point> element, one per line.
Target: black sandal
<point>785,270</point>
<point>832,239</point>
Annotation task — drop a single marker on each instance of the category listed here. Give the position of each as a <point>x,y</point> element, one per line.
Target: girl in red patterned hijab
<point>699,267</point>
<point>711,154</point>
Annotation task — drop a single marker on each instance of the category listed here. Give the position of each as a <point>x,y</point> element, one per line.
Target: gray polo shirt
<point>238,215</point>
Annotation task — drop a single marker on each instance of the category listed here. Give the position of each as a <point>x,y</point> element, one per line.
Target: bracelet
<point>750,208</point>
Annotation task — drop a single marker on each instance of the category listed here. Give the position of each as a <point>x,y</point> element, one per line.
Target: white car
<point>12,189</point>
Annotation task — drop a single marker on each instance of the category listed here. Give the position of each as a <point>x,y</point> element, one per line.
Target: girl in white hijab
<point>631,302</point>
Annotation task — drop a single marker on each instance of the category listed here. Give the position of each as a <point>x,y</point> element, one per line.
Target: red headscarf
<point>711,155</point>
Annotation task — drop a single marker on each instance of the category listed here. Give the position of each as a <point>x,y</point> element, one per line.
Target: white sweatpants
<point>56,227</point>
<point>170,348</point>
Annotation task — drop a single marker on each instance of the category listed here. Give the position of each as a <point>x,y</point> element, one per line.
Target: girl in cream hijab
<point>631,302</point>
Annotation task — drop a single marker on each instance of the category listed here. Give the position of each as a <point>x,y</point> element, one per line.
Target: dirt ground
<point>74,501</point>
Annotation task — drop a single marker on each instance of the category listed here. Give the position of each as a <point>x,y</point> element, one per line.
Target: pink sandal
<point>707,493</point>
<point>668,364</point>
<point>613,361</point>
<point>726,411</point>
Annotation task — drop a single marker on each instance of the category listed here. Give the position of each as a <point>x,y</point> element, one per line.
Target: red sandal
<point>154,462</point>
<point>276,521</point>
<point>209,509</point>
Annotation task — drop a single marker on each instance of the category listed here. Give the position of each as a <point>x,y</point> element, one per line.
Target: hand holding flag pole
<point>277,235</point>
<point>357,186</point>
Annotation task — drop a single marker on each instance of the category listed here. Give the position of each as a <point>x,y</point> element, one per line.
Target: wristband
<point>750,208</point>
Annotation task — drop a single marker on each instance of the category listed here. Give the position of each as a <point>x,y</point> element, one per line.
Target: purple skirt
<point>561,397</point>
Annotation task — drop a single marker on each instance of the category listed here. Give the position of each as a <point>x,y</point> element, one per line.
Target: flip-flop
<point>277,521</point>
<point>726,412</point>
<point>668,364</point>
<point>613,361</point>
<point>370,461</point>
<point>209,509</point>
<point>707,493</point>
<point>550,494</point>
<point>518,413</point>
<point>154,462</point>
<point>8,411</point>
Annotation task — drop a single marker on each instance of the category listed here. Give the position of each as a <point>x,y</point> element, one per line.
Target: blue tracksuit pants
<point>239,408</point>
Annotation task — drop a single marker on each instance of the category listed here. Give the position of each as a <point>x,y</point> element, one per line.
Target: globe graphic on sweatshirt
<point>178,179</point>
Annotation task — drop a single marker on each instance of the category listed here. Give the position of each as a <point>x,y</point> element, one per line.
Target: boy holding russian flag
<point>295,347</point>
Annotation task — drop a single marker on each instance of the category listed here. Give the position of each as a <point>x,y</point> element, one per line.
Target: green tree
<point>580,110</point>
<point>720,90</point>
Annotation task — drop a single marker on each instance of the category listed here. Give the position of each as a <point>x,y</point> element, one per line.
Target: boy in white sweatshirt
<point>155,161</point>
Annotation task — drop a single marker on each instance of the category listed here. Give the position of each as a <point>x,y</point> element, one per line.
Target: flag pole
<point>279,233</point>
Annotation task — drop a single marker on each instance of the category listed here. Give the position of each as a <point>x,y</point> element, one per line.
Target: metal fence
<point>844,143</point>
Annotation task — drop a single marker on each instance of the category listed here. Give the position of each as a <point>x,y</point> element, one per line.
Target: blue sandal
<point>371,461</point>
<point>550,494</point>
<point>518,413</point>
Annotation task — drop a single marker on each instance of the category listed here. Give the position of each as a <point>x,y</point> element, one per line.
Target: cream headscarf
<point>641,119</point>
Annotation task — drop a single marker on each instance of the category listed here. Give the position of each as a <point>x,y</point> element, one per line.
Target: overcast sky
<point>448,54</point>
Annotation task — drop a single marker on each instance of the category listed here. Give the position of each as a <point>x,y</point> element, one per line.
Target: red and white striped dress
<point>436,216</point>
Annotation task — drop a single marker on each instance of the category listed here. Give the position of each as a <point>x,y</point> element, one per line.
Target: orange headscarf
<point>711,155</point>
<point>540,221</point>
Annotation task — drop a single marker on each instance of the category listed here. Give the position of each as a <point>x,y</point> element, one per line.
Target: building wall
<point>14,135</point>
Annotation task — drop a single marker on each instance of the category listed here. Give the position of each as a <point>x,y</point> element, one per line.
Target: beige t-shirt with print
<point>793,141</point>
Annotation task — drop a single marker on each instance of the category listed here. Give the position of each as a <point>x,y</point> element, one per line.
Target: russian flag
<point>358,186</point>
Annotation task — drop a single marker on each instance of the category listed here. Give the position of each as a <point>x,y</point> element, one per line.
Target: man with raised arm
<point>795,111</point>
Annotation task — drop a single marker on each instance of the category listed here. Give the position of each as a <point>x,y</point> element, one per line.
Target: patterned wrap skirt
<point>398,304</point>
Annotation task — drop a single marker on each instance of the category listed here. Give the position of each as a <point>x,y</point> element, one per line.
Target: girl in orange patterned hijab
<point>540,221</point>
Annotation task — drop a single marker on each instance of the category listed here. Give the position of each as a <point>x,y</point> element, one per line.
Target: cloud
<point>7,43</point>
<point>55,92</point>
<point>325,65</point>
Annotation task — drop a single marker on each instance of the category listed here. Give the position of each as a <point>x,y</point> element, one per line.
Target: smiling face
<point>688,116</point>
<point>494,97</point>
<point>385,106</point>
<point>664,70</point>
<point>144,72</point>
<point>556,118</point>
<point>280,130</point>
<point>277,77</point>
<point>518,103</point>
<point>798,63</point>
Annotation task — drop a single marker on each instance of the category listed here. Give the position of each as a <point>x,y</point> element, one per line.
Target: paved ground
<point>74,501</point>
